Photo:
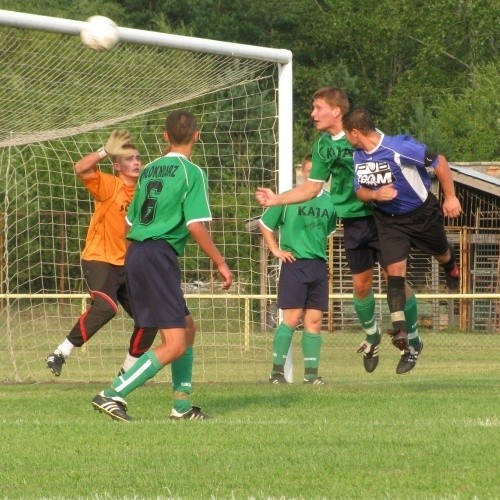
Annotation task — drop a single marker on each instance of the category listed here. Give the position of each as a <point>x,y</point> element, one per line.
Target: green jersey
<point>304,227</point>
<point>171,193</point>
<point>332,158</point>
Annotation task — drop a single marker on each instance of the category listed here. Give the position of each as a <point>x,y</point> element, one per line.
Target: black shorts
<point>108,280</point>
<point>154,282</point>
<point>361,243</point>
<point>423,229</point>
<point>303,284</point>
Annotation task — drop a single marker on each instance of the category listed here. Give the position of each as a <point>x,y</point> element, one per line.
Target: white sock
<point>66,348</point>
<point>128,362</point>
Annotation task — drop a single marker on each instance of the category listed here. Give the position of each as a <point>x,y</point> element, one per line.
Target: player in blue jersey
<point>391,173</point>
<point>303,283</point>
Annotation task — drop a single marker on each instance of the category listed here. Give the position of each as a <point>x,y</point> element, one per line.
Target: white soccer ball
<point>99,33</point>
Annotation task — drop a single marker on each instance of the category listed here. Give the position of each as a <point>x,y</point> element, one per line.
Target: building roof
<point>475,178</point>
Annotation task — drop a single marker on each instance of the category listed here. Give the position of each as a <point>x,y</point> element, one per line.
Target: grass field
<point>433,433</point>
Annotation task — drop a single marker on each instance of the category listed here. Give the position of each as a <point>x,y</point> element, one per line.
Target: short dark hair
<point>334,97</point>
<point>359,119</point>
<point>180,126</point>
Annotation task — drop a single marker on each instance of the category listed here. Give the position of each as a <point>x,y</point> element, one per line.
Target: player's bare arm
<point>451,204</point>
<point>201,235</point>
<point>273,246</point>
<point>306,191</point>
<point>385,193</point>
<point>85,167</point>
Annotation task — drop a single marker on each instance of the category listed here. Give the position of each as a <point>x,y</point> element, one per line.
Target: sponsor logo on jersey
<point>312,211</point>
<point>373,173</point>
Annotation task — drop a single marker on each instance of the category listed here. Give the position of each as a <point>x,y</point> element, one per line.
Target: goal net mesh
<point>60,102</point>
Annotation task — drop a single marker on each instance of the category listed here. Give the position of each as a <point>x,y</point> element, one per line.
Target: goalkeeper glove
<point>116,142</point>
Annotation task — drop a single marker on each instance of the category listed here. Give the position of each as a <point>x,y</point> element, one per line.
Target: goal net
<point>61,101</point>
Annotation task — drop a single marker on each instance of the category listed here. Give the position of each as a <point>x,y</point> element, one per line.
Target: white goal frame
<point>282,57</point>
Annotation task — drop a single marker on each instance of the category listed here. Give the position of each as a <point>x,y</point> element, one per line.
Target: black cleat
<point>277,378</point>
<point>314,381</point>
<point>115,407</point>
<point>194,413</point>
<point>453,278</point>
<point>409,359</point>
<point>399,339</point>
<point>55,361</point>
<point>370,358</point>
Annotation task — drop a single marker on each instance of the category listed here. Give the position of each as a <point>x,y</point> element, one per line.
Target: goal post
<point>61,101</point>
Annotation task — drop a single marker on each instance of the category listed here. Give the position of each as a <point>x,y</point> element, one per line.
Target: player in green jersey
<point>332,160</point>
<point>170,204</point>
<point>303,283</point>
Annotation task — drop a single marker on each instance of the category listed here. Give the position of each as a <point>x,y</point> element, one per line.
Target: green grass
<point>432,433</point>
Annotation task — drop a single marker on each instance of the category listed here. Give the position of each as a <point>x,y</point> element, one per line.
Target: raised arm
<point>306,191</point>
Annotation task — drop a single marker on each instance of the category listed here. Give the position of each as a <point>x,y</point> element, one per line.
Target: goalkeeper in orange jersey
<point>103,260</point>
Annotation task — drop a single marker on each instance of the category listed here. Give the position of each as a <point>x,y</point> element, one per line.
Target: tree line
<point>425,68</point>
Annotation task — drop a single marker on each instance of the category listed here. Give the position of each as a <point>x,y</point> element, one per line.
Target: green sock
<point>411,318</point>
<point>281,345</point>
<point>146,367</point>
<point>311,348</point>
<point>182,376</point>
<point>365,310</point>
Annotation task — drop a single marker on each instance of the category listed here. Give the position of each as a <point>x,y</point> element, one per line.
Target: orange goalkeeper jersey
<point>106,234</point>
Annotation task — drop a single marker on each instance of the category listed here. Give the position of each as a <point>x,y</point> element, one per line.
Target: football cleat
<point>55,361</point>
<point>277,378</point>
<point>399,339</point>
<point>370,357</point>
<point>115,407</point>
<point>409,359</point>
<point>194,413</point>
<point>314,381</point>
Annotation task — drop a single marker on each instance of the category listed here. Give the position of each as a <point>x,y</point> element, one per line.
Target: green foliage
<point>72,9</point>
<point>392,57</point>
<point>461,125</point>
<point>469,123</point>
<point>422,126</point>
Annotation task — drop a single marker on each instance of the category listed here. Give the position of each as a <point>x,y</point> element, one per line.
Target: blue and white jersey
<point>399,160</point>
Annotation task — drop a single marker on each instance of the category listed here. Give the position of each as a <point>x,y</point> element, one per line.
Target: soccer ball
<point>99,33</point>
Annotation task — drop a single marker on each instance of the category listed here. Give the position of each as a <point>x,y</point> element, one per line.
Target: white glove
<point>116,142</point>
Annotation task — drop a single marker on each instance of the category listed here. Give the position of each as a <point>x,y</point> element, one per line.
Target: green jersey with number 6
<point>304,227</point>
<point>332,159</point>
<point>171,193</point>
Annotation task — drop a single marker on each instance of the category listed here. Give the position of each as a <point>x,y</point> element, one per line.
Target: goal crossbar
<point>130,35</point>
